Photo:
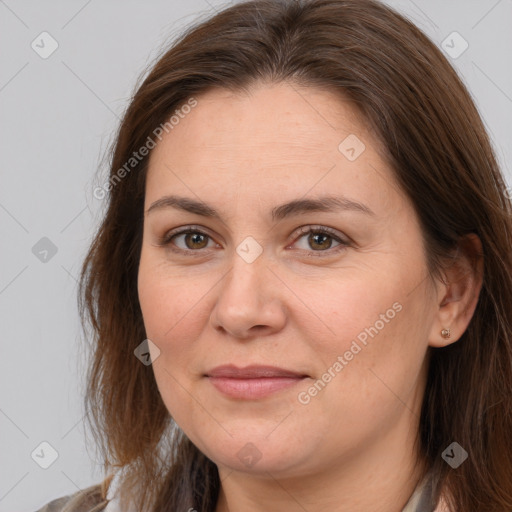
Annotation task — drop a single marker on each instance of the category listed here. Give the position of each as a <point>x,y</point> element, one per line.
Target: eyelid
<point>343,240</point>
<point>165,240</point>
<point>308,228</point>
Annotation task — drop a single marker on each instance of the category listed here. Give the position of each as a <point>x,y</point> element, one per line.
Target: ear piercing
<point>445,333</point>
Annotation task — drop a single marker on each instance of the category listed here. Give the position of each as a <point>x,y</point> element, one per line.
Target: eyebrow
<point>296,207</point>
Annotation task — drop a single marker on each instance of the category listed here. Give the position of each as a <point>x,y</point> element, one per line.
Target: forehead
<point>276,115</point>
<point>268,139</point>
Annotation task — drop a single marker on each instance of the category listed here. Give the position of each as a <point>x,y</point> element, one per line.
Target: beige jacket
<point>101,498</point>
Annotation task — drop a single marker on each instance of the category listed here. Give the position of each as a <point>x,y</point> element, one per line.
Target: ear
<point>458,295</point>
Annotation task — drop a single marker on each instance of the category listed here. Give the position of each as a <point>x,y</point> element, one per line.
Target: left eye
<point>320,240</point>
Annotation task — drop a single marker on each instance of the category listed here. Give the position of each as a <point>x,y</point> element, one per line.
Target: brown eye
<point>187,240</point>
<point>196,240</point>
<point>319,241</point>
<point>316,240</point>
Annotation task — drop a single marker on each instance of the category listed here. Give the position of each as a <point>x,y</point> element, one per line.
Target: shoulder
<point>422,499</point>
<point>90,499</point>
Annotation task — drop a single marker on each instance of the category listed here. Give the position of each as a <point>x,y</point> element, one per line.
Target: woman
<point>302,285</point>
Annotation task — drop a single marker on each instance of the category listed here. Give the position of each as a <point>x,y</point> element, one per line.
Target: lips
<point>252,372</point>
<point>252,382</point>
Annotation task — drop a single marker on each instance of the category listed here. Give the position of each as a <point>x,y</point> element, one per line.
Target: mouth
<point>252,382</point>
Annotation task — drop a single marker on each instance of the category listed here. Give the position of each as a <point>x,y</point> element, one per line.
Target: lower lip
<point>248,389</point>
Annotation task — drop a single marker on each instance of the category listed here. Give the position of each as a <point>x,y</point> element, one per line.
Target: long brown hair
<point>435,141</point>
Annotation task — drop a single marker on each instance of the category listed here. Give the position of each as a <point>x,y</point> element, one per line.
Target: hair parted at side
<point>435,142</point>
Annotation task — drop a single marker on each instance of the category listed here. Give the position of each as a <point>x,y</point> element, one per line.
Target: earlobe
<point>445,333</point>
<point>443,338</point>
<point>460,293</point>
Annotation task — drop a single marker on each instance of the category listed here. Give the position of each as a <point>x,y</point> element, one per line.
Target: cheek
<point>175,312</point>
<point>370,342</point>
<point>166,298</point>
<point>345,309</point>
<point>171,311</point>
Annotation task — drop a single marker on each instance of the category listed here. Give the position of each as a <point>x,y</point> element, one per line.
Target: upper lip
<point>251,372</point>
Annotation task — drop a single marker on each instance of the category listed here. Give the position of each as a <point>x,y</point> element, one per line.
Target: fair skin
<point>351,447</point>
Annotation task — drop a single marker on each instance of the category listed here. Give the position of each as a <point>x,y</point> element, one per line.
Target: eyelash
<point>165,241</point>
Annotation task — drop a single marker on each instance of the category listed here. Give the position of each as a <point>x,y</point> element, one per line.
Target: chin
<point>258,455</point>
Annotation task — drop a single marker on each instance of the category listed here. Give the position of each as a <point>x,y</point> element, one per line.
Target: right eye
<point>186,240</point>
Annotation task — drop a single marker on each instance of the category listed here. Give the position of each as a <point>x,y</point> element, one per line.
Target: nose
<point>249,302</point>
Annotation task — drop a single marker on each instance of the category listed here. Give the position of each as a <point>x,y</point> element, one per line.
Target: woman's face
<point>344,314</point>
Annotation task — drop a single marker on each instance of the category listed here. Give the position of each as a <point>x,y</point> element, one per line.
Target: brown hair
<point>406,90</point>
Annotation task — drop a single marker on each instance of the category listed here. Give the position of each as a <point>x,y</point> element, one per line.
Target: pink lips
<point>252,382</point>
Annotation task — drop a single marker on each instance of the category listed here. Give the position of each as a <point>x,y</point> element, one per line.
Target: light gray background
<point>57,117</point>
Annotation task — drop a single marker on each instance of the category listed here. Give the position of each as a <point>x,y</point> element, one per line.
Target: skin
<point>352,446</point>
